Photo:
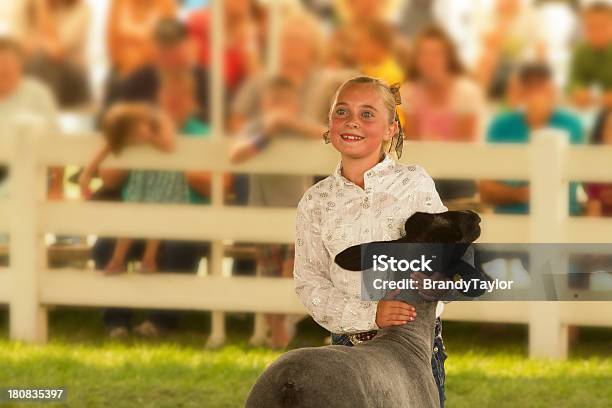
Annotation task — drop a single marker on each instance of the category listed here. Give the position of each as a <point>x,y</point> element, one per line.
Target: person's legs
<point>102,252</point>
<point>182,257</point>
<point>271,258</point>
<point>437,361</point>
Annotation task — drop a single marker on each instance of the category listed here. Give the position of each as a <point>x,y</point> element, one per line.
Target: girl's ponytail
<point>399,136</point>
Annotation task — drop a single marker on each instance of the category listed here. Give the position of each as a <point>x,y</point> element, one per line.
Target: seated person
<point>591,65</point>
<point>25,100</point>
<point>537,97</point>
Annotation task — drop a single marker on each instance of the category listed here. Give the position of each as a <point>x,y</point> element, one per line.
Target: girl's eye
<point>340,111</point>
<point>367,115</point>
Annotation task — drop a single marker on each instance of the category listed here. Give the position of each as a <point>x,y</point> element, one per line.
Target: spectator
<point>440,103</point>
<point>300,61</point>
<point>366,39</point>
<point>438,100</point>
<point>511,35</point>
<point>374,52</point>
<point>177,98</point>
<point>54,38</point>
<point>591,66</point>
<point>131,41</point>
<point>137,124</point>
<point>172,52</point>
<point>600,194</point>
<point>128,124</point>
<point>539,111</point>
<point>279,97</point>
<point>25,100</point>
<point>416,15</point>
<point>241,55</point>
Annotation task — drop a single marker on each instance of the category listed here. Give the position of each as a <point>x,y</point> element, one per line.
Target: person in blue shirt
<point>537,95</point>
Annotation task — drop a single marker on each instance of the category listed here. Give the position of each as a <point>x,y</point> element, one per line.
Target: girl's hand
<point>394,312</point>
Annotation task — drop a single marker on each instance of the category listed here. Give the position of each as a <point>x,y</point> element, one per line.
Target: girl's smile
<point>351,137</point>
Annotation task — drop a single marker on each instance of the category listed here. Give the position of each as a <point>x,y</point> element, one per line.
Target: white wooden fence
<point>29,287</point>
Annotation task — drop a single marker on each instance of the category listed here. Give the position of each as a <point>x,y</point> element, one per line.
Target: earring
<point>326,137</point>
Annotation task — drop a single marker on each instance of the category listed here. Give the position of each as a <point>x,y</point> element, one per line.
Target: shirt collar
<point>378,170</point>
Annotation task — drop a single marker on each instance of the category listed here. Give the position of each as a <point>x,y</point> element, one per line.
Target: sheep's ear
<point>350,258</point>
<point>417,224</point>
<point>468,222</point>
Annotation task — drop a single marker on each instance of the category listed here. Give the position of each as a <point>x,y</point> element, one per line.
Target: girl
<point>136,124</point>
<point>440,103</point>
<point>368,197</point>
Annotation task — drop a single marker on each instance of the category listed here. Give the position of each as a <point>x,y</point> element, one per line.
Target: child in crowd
<point>600,194</point>
<point>537,95</point>
<point>591,66</point>
<point>279,97</point>
<point>131,124</point>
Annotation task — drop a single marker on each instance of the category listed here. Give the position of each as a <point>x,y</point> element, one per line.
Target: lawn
<point>178,372</point>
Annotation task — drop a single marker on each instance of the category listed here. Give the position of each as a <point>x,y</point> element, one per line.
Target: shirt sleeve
<point>426,197</point>
<point>334,310</point>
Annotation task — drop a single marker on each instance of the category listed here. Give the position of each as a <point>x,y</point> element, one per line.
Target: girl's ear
<point>391,131</point>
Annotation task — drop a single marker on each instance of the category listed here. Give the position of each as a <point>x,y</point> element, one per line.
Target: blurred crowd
<point>488,71</point>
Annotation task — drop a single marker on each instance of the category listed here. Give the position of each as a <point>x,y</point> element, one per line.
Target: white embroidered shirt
<point>335,214</point>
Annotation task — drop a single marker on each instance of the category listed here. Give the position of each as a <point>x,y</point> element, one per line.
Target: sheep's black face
<point>447,227</point>
<point>450,227</point>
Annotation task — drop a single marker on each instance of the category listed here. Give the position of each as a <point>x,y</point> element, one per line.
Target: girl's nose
<point>352,124</point>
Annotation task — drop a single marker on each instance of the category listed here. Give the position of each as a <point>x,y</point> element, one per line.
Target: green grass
<point>486,367</point>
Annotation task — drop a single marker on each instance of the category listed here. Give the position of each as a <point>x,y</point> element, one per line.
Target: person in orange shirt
<point>130,32</point>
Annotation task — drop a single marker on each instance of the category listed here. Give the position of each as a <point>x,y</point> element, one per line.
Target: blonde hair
<point>389,94</point>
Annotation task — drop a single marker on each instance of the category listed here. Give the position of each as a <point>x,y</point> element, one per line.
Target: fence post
<point>27,317</point>
<point>548,211</point>
<point>217,333</point>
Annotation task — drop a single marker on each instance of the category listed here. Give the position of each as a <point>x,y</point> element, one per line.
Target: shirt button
<point>369,174</point>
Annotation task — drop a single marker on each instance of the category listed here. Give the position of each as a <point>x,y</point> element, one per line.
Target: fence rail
<point>28,286</point>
